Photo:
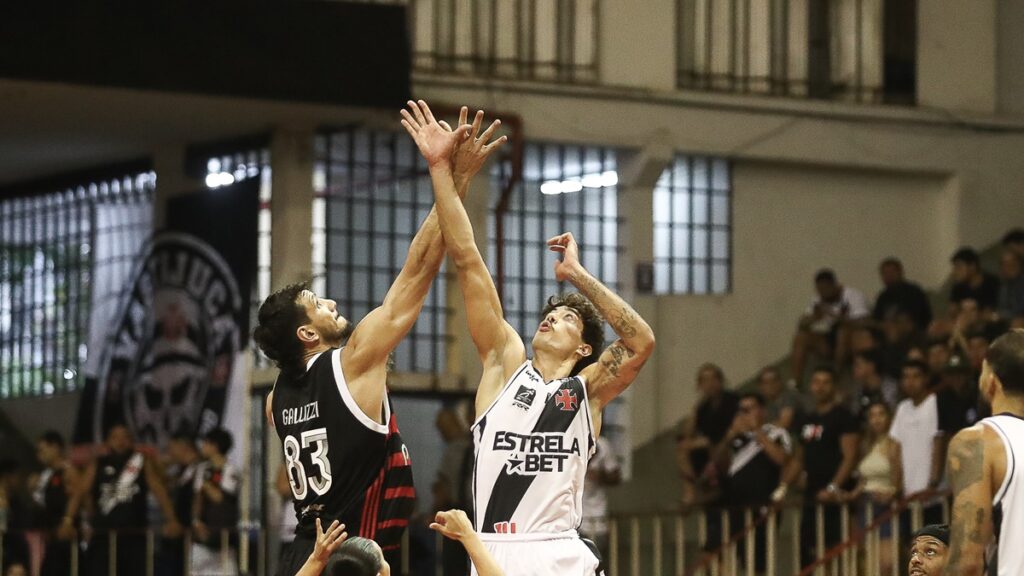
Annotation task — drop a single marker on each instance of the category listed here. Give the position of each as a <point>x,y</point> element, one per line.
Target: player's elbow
<point>645,347</point>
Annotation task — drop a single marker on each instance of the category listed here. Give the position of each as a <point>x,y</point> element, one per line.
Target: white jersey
<point>1008,502</point>
<point>532,448</point>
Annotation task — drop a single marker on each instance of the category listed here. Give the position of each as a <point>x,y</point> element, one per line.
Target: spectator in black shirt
<point>754,453</point>
<point>184,460</point>
<point>901,295</point>
<point>871,385</point>
<point>970,281</point>
<point>51,494</point>
<point>957,398</point>
<point>1011,290</point>
<point>703,431</point>
<point>828,454</point>
<point>215,509</point>
<point>1014,241</point>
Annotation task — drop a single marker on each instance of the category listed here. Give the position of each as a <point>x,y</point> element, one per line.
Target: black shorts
<point>295,555</point>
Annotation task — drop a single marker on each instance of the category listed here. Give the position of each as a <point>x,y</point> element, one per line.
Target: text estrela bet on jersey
<point>532,448</point>
<point>341,464</point>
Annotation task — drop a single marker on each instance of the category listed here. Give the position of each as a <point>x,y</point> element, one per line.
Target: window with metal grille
<point>65,257</point>
<point>226,169</point>
<point>565,188</point>
<point>373,193</point>
<point>693,227</point>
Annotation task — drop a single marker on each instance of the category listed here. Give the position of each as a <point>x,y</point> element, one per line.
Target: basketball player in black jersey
<point>564,345</point>
<point>344,456</point>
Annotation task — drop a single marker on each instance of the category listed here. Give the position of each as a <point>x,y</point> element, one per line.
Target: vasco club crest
<point>171,350</point>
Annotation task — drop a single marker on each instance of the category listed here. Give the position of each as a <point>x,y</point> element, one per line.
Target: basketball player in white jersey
<point>986,471</point>
<point>537,419</point>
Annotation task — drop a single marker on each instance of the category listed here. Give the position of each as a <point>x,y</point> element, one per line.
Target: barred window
<point>374,192</point>
<point>565,188</point>
<point>65,257</point>
<point>693,227</point>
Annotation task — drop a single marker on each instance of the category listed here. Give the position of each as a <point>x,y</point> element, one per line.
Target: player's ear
<point>307,334</point>
<point>585,350</point>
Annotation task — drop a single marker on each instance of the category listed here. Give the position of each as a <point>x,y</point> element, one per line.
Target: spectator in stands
<point>183,461</point>
<point>51,494</point>
<point>901,340</point>
<point>879,477</point>
<point>116,487</point>
<point>453,486</point>
<point>828,454</point>
<point>970,281</point>
<point>824,330</point>
<point>603,471</point>
<point>782,403</point>
<point>916,429</point>
<point>13,513</point>
<point>871,385</point>
<point>901,295</point>
<point>754,452</point>
<point>938,355</point>
<point>1011,288</point>
<point>289,521</point>
<point>215,509</point>
<point>1014,241</point>
<point>928,549</point>
<point>702,432</point>
<point>957,397</point>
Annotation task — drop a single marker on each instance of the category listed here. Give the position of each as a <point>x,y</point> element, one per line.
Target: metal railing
<point>833,49</point>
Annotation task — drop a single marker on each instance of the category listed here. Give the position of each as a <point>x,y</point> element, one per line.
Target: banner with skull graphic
<point>170,357</point>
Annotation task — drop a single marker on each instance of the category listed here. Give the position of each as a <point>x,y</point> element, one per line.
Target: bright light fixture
<point>601,180</point>
<point>218,179</point>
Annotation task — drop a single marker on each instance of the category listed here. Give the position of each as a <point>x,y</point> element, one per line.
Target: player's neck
<point>311,352</point>
<point>552,367</point>
<point>1005,404</point>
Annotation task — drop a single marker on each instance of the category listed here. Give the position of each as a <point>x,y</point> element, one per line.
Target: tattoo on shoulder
<point>966,462</point>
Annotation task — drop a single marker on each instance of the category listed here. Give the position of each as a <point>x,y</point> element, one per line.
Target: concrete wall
<point>1010,58</point>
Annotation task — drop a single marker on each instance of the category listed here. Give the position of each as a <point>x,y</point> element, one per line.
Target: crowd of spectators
<point>102,511</point>
<point>863,417</point>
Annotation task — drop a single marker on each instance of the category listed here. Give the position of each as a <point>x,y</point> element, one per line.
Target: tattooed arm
<point>971,480</point>
<point>619,364</point>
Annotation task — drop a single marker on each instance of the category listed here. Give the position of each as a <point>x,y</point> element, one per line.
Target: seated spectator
<point>957,397</point>
<point>754,452</point>
<point>215,509</point>
<point>938,355</point>
<point>865,339</point>
<point>970,281</point>
<point>899,295</point>
<point>900,338</point>
<point>916,429</point>
<point>828,454</point>
<point>702,432</point>
<point>782,403</point>
<point>928,549</point>
<point>871,385</point>
<point>879,475</point>
<point>1011,288</point>
<point>824,330</point>
<point>1014,241</point>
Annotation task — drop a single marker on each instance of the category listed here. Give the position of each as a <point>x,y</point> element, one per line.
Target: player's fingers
<point>560,240</point>
<point>495,145</point>
<point>490,130</point>
<point>412,121</point>
<point>445,125</point>
<point>478,121</point>
<point>463,131</point>
<point>463,115</point>
<point>426,111</point>
<point>408,128</point>
<point>416,112</point>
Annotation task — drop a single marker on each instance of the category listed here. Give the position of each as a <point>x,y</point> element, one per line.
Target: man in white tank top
<point>537,420</point>
<point>986,471</point>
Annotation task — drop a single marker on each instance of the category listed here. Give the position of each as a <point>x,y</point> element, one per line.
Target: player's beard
<point>337,334</point>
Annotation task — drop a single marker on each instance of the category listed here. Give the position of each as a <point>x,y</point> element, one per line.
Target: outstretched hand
<point>565,244</point>
<point>453,524</point>
<point>436,143</point>
<point>472,152</point>
<point>329,541</point>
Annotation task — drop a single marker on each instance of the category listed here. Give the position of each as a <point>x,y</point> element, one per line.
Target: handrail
<point>710,557</point>
<point>857,537</point>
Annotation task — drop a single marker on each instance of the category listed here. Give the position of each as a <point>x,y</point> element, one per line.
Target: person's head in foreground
<point>1002,373</point>
<point>928,548</point>
<point>293,322</point>
<point>357,557</point>
<point>570,326</point>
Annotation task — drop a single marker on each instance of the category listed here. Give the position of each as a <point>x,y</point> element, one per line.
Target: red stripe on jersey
<point>399,523</point>
<point>377,493</point>
<point>398,460</point>
<point>401,492</point>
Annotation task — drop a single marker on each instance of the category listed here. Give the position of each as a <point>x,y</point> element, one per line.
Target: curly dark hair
<point>593,324</point>
<point>279,317</point>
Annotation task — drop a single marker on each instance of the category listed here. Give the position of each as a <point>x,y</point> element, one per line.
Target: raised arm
<point>455,525</point>
<point>970,478</point>
<point>619,364</point>
<point>495,340</point>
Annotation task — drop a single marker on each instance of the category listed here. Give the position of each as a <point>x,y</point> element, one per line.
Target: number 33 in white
<point>297,472</point>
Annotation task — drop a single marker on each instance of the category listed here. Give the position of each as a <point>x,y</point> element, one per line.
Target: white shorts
<point>540,554</point>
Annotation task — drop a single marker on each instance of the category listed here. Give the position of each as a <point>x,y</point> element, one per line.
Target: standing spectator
<point>828,455</point>
<point>116,486</point>
<point>1014,241</point>
<point>51,495</point>
<point>453,486</point>
<point>970,281</point>
<point>879,473</point>
<point>703,431</point>
<point>922,443</point>
<point>782,403</point>
<point>1011,288</point>
<point>871,386</point>
<point>289,522</point>
<point>602,472</point>
<point>181,473</point>
<point>901,295</point>
<point>754,452</point>
<point>825,328</point>
<point>215,507</point>
<point>13,514</point>
<point>957,398</point>
<point>938,356</point>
